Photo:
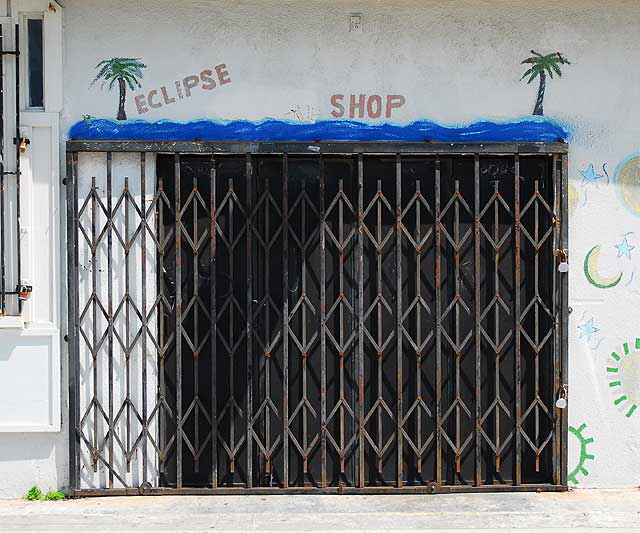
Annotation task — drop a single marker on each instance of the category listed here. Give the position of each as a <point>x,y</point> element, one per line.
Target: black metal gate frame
<point>5,290</point>
<point>558,151</point>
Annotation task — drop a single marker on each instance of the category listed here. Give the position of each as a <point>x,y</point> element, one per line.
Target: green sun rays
<point>624,374</point>
<point>584,454</point>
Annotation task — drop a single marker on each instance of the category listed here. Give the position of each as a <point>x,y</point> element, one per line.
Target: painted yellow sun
<point>627,179</point>
<point>630,370</point>
<point>624,372</point>
<point>572,194</point>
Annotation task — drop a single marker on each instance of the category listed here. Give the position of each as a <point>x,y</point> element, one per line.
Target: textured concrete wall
<point>454,63</point>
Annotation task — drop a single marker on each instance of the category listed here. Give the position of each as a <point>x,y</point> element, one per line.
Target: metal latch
<point>24,291</point>
<point>22,143</point>
<point>563,256</point>
<point>561,402</point>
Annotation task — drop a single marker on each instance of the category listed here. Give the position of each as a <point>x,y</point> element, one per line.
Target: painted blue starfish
<point>624,248</point>
<point>587,329</point>
<point>590,175</point>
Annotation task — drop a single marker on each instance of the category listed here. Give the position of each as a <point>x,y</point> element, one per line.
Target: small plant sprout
<point>34,494</point>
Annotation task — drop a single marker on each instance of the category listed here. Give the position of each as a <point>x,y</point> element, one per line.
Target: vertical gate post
<point>477,279</point>
<point>564,318</point>
<point>556,173</point>
<point>518,355</point>
<point>110,312</point>
<point>360,312</point>
<point>323,336</point>
<point>162,348</point>
<point>214,324</point>
<point>72,318</point>
<point>127,322</point>
<point>145,318</point>
<point>249,311</point>
<point>399,319</point>
<point>285,316</point>
<point>178,330</point>
<point>94,312</point>
<point>438,290</point>
<point>2,182</point>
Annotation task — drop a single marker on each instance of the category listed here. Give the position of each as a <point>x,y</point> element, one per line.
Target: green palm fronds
<point>127,68</point>
<point>540,64</point>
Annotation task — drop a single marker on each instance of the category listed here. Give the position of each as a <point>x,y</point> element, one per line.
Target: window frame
<point>25,97</point>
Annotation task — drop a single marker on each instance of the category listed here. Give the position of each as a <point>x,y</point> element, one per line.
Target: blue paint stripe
<point>520,130</point>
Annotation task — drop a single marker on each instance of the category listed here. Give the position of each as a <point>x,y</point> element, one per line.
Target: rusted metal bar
<point>3,267</point>
<point>564,315</point>
<point>126,198</point>
<point>160,199</point>
<point>249,330</point>
<point>94,316</point>
<point>478,322</point>
<point>398,325</point>
<point>517,323</point>
<point>342,490</point>
<point>285,316</point>
<point>302,314</point>
<point>73,303</point>
<point>213,311</point>
<point>556,172</point>
<point>417,247</point>
<point>360,316</point>
<point>323,333</point>
<point>496,318</point>
<point>145,316</point>
<point>194,244</point>
<point>342,309</point>
<point>347,148</point>
<point>457,342</point>
<point>3,264</point>
<point>109,215</point>
<point>261,296</point>
<point>178,311</point>
<point>438,291</point>
<point>537,339</point>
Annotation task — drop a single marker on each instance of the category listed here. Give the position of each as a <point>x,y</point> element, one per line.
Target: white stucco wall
<point>454,63</point>
<point>33,403</point>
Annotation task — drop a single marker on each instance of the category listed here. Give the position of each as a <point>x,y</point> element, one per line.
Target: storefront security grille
<point>332,317</point>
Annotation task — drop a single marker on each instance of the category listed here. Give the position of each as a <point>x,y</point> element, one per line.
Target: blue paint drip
<point>527,129</point>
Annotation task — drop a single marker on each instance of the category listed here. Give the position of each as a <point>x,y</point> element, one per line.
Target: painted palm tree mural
<point>540,67</point>
<point>126,71</point>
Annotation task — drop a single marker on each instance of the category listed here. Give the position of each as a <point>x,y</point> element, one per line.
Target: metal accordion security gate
<point>328,317</point>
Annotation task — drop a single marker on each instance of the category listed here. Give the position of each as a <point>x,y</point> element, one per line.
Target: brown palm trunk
<point>122,115</point>
<point>537,110</point>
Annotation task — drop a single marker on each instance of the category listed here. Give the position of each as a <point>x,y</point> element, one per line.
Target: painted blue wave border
<point>526,129</point>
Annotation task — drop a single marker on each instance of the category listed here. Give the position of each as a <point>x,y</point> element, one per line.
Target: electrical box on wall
<point>355,23</point>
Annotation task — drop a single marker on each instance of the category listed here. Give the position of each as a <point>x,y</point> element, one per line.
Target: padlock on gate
<point>23,292</point>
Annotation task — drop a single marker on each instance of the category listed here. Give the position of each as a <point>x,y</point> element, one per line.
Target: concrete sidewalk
<point>584,510</point>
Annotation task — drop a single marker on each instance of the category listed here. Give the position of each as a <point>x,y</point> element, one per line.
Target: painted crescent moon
<point>591,271</point>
